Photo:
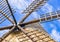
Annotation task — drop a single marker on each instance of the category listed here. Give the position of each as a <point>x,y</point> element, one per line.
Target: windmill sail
<point>5,8</point>
<point>23,32</point>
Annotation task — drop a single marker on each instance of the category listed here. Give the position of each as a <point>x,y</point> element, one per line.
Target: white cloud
<point>35,15</point>
<point>58,20</point>
<point>20,4</point>
<point>55,35</point>
<point>58,8</point>
<point>3,32</point>
<point>53,26</point>
<point>47,8</point>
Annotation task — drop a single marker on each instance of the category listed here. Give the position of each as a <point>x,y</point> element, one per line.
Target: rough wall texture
<point>32,35</point>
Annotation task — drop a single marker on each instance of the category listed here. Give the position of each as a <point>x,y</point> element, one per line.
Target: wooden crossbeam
<point>7,27</point>
<point>5,35</point>
<point>41,19</point>
<point>33,21</point>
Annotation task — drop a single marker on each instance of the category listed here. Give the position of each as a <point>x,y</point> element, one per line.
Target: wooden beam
<point>4,28</point>
<point>30,22</point>
<point>0,39</point>
<point>42,19</point>
<point>5,35</point>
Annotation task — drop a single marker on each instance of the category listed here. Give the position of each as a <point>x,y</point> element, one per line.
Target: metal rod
<point>7,17</point>
<point>7,27</point>
<point>11,12</point>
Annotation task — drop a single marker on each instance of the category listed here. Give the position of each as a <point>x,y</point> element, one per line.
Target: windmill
<point>25,31</point>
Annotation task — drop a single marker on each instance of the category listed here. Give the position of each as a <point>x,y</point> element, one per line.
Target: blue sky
<point>52,27</point>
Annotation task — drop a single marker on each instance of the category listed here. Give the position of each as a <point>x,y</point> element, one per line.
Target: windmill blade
<point>11,13</point>
<point>4,6</point>
<point>3,18</point>
<point>50,16</point>
<point>46,17</point>
<point>30,22</point>
<point>7,27</point>
<point>7,17</point>
<point>32,7</point>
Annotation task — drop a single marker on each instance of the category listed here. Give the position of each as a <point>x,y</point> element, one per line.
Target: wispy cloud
<point>56,35</point>
<point>47,8</point>
<point>58,8</point>
<point>20,4</point>
<point>3,32</point>
<point>35,15</point>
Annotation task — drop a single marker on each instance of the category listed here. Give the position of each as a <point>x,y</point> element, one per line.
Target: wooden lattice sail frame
<point>24,28</point>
